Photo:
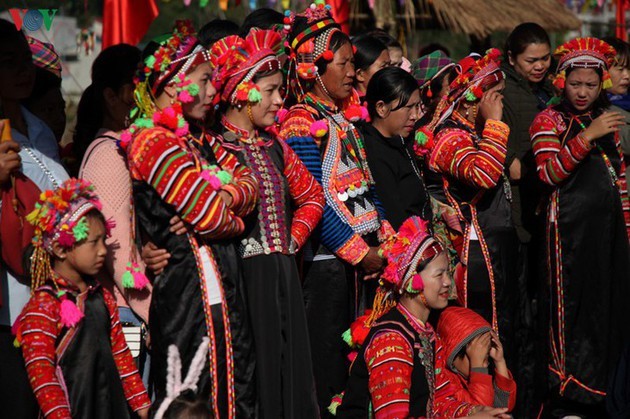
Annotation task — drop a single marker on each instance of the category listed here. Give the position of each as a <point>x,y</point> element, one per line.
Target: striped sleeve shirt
<point>173,168</point>
<point>478,164</point>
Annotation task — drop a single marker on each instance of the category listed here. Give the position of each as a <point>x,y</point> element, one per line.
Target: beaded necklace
<point>349,135</point>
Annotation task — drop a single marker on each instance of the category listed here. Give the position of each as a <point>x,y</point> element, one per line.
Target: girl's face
<point>382,61</point>
<point>88,257</point>
<point>264,112</point>
<point>401,121</point>
<point>620,77</point>
<point>582,87</point>
<point>339,76</point>
<point>533,63</point>
<point>437,282</point>
<point>202,103</point>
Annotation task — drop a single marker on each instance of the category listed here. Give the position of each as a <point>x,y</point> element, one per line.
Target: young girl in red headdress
<point>578,155</point>
<point>290,207</point>
<point>76,356</point>
<point>398,372</point>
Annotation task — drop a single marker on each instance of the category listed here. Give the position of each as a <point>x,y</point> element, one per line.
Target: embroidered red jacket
<point>38,331</point>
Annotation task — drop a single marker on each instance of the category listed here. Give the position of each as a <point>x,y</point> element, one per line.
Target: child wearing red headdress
<point>468,343</point>
<point>75,353</point>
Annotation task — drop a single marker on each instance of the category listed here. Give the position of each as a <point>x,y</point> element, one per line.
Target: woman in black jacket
<point>393,101</point>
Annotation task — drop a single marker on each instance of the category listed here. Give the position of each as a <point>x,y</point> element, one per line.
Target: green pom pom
<point>347,337</point>
<point>554,101</point>
<point>203,3</point>
<point>150,62</point>
<point>127,280</point>
<point>144,123</point>
<point>224,177</point>
<point>254,96</point>
<point>470,96</point>
<point>193,89</point>
<point>80,231</point>
<point>421,138</point>
<point>16,343</point>
<point>134,112</point>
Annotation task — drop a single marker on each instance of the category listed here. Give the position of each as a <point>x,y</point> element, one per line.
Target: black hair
<point>524,35</point>
<point>389,84</point>
<point>45,81</point>
<point>9,33</point>
<point>188,406</point>
<point>216,29</point>
<point>113,68</point>
<point>432,47</point>
<point>621,47</point>
<point>385,38</point>
<point>462,352</point>
<point>368,49</point>
<point>263,18</point>
<point>601,102</point>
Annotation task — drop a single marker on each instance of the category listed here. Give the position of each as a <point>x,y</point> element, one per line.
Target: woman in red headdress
<point>290,207</point>
<point>175,172</point>
<point>469,152</point>
<point>578,155</point>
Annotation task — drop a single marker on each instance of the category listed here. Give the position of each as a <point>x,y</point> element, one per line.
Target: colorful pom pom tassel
<point>347,337</point>
<point>69,313</point>
<point>254,95</point>
<point>607,81</point>
<point>134,277</point>
<point>319,128</point>
<point>335,403</point>
<point>560,80</point>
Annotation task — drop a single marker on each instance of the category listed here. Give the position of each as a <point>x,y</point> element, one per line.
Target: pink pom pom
<point>352,355</point>
<point>185,97</point>
<point>215,182</point>
<point>417,283</point>
<point>140,280</point>
<point>65,239</point>
<point>365,115</point>
<point>353,113</point>
<point>125,139</point>
<point>183,131</point>
<point>319,128</point>
<point>70,313</point>
<point>281,115</point>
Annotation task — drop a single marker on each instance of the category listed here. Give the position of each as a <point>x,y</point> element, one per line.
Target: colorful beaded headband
<point>584,53</point>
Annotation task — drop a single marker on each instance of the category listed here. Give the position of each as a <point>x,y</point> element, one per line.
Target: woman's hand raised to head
<point>491,105</point>
<point>604,124</point>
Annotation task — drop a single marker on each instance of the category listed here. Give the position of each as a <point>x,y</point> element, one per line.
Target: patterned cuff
<point>583,146</point>
<point>497,130</point>
<point>354,250</point>
<point>236,197</point>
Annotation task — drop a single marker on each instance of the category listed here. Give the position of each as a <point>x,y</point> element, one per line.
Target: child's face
<point>17,71</point>
<point>88,257</point>
<point>462,365</point>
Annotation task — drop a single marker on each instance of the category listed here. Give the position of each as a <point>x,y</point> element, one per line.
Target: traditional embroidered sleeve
<point>479,165</point>
<point>39,328</point>
<point>135,393</point>
<point>158,157</point>
<point>504,391</point>
<point>307,195</point>
<point>555,162</point>
<point>244,186</point>
<point>389,360</point>
<point>337,236</point>
<point>623,185</point>
<point>446,404</point>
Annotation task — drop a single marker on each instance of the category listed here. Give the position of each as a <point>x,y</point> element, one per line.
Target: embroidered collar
<point>457,117</point>
<point>423,329</point>
<point>240,133</point>
<point>65,285</point>
<point>321,103</point>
